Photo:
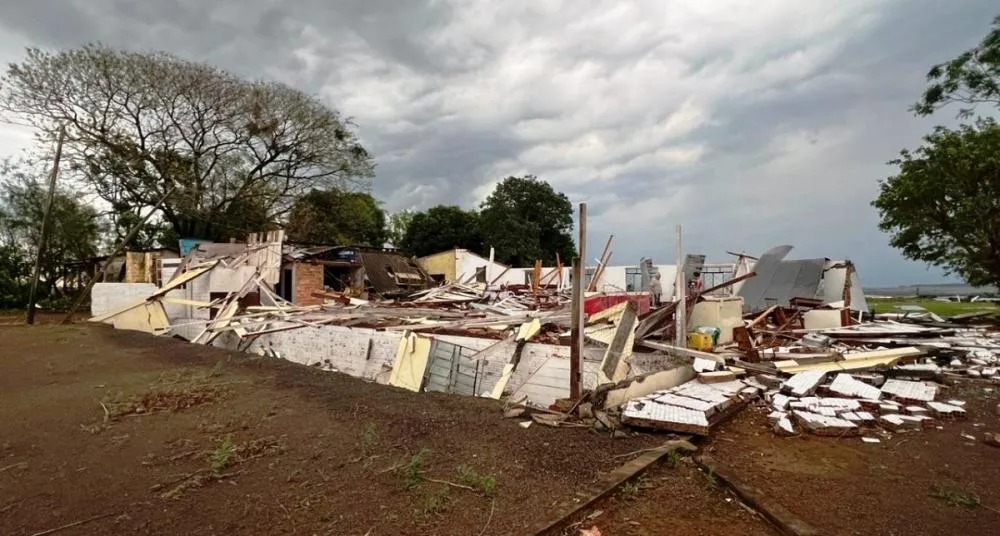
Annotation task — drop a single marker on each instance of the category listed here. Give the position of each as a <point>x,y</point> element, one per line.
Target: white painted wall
<point>833,287</point>
<point>542,374</point>
<point>106,297</point>
<point>466,264</point>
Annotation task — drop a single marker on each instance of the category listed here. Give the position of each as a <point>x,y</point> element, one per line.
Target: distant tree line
<point>228,157</point>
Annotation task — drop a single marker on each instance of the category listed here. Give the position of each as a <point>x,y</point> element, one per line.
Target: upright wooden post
<point>578,312</point>
<point>43,241</point>
<point>576,330</point>
<point>680,314</point>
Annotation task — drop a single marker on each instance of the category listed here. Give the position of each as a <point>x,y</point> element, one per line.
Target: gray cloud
<point>752,124</point>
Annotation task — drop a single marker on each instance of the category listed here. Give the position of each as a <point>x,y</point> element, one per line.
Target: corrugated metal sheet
<point>752,290</point>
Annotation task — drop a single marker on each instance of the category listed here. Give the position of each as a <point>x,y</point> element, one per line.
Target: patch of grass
<point>223,455</point>
<point>673,458</point>
<point>711,481</point>
<point>437,502</point>
<point>486,484</point>
<point>630,490</point>
<point>369,439</point>
<point>411,472</point>
<point>888,305</point>
<point>218,369</point>
<point>954,497</point>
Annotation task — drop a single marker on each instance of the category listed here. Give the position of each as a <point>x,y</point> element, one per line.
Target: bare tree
<point>139,123</point>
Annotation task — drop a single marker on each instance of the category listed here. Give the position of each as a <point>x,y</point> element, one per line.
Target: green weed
<point>674,458</point>
<point>437,502</point>
<point>630,490</point>
<point>223,455</point>
<point>411,472</point>
<point>486,484</point>
<point>953,497</point>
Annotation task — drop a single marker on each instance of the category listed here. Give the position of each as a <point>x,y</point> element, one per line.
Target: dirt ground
<point>112,432</point>
<point>928,482</point>
<point>674,497</point>
<point>139,435</point>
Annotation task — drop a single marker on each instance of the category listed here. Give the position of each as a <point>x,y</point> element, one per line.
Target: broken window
<point>481,274</point>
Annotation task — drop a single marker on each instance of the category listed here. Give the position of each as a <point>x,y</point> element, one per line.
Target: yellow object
<point>699,341</point>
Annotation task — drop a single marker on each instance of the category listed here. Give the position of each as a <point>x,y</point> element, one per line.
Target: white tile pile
<point>848,406</point>
<point>980,349</point>
<point>692,407</point>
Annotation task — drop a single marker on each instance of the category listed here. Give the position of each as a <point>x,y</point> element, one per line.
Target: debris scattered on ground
<point>796,337</point>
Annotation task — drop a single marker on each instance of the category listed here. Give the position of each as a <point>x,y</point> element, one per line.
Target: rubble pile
<point>795,338</point>
<point>851,406</point>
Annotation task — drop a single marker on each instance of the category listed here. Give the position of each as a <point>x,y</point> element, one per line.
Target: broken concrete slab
<point>780,402</point>
<point>714,402</point>
<point>909,391</point>
<point>650,383</point>
<point>803,383</point>
<point>847,385</point>
<point>784,427</point>
<point>898,423</point>
<point>705,365</point>
<point>824,425</point>
<point>946,411</point>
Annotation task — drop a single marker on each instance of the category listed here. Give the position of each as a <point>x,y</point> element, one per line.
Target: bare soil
<point>672,498</point>
<point>928,482</point>
<point>131,434</point>
<point>112,432</point>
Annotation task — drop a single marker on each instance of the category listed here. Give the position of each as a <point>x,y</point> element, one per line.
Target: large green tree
<point>442,228</point>
<point>139,125</point>
<point>943,207</point>
<point>525,220</point>
<point>75,230</point>
<point>337,217</point>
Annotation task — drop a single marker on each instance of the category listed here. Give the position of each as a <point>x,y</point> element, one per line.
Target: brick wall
<point>308,279</point>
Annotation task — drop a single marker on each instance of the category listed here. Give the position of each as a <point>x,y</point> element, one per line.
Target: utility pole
<point>128,238</point>
<point>680,313</point>
<point>36,272</point>
<point>578,312</point>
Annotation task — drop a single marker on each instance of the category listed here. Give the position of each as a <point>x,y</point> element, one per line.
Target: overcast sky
<point>752,124</point>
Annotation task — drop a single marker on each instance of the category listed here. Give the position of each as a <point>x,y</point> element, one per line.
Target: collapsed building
<point>794,336</point>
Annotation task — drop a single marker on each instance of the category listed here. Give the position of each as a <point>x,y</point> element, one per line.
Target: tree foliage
<point>397,226</point>
<point>442,228</point>
<point>74,233</point>
<point>944,205</point>
<point>970,79</point>
<point>238,152</point>
<point>337,217</point>
<point>525,219</point>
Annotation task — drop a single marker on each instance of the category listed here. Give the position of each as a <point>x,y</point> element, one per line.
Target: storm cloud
<point>752,124</point>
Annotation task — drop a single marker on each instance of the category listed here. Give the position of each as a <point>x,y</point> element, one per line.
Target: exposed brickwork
<point>308,279</point>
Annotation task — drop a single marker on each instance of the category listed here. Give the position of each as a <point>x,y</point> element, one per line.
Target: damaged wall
<point>307,278</point>
<point>542,374</point>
